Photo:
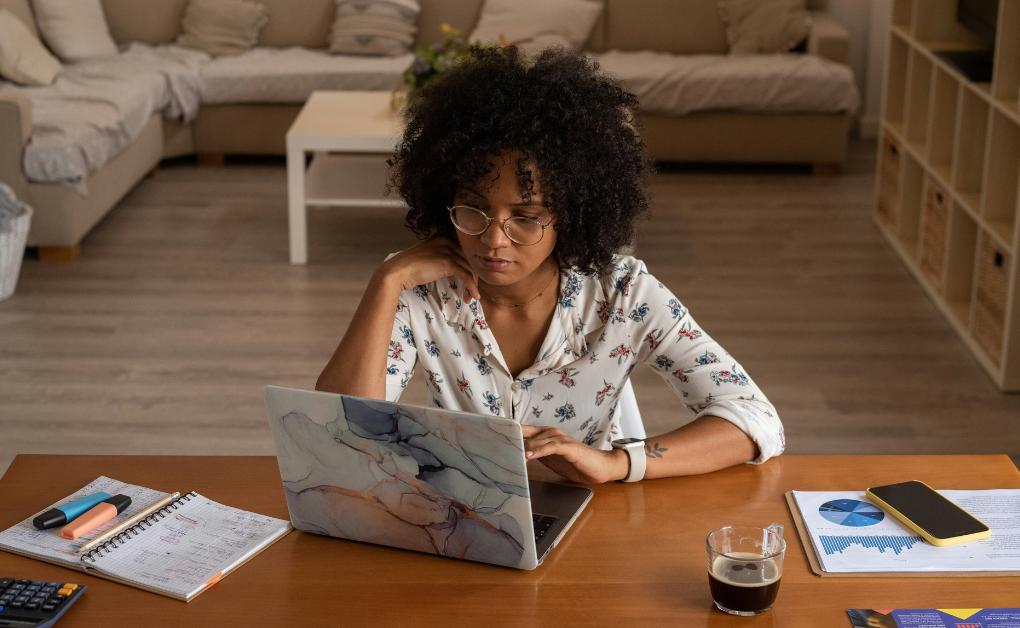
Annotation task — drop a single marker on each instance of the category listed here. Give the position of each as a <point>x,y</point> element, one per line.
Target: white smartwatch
<point>635,448</point>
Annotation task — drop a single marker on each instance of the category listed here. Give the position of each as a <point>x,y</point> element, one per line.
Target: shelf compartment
<point>1006,71</point>
<point>901,12</point>
<point>990,297</point>
<point>942,126</point>
<point>969,155</point>
<point>960,259</point>
<point>916,108</point>
<point>889,180</point>
<point>908,216</point>
<point>935,24</point>
<point>1003,177</point>
<point>933,233</point>
<point>896,81</point>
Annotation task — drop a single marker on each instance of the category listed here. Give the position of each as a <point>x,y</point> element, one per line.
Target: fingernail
<point>530,454</point>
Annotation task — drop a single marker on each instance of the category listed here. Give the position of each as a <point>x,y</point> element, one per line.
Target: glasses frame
<point>489,219</point>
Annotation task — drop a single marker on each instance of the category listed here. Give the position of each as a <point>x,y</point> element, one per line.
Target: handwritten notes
<point>190,546</point>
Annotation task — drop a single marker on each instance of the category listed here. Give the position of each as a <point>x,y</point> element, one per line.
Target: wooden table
<point>350,136</point>
<point>635,557</point>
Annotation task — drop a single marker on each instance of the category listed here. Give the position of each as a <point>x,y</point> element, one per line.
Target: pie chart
<point>850,512</point>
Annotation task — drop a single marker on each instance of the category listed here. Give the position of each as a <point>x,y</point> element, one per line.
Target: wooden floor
<point>183,306</point>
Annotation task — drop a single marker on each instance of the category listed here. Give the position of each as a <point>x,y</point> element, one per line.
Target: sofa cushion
<point>756,26</point>
<point>23,11</point>
<point>222,27</point>
<point>75,30</point>
<point>96,108</point>
<point>780,83</point>
<point>564,22</point>
<point>23,58</point>
<point>374,27</point>
<point>290,75</point>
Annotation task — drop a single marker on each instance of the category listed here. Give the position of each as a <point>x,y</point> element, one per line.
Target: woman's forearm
<point>702,446</point>
<point>358,366</point>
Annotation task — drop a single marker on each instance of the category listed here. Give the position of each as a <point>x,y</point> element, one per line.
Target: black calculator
<point>34,603</point>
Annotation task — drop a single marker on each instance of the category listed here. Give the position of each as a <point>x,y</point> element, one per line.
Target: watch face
<point>627,441</point>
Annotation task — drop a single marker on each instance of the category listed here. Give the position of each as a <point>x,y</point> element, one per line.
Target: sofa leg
<point>211,159</point>
<point>152,173</point>
<point>59,253</point>
<point>825,170</point>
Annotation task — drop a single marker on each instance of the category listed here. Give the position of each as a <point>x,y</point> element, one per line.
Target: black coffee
<point>744,583</point>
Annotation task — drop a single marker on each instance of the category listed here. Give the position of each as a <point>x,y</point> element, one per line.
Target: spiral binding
<point>136,529</point>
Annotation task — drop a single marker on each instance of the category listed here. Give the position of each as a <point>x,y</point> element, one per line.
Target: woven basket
<point>889,181</point>
<point>933,245</point>
<point>990,307</point>
<point>12,251</point>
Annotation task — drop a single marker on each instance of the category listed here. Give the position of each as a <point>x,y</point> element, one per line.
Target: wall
<point>867,23</point>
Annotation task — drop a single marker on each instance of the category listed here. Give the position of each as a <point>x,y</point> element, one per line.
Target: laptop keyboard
<point>542,524</point>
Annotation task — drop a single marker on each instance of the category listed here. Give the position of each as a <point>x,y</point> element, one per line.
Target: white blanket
<point>780,83</point>
<point>96,108</point>
<point>290,75</point>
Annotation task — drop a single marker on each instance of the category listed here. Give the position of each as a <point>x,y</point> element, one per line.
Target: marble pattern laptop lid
<point>430,480</point>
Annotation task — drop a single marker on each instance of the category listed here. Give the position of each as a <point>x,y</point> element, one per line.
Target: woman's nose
<point>494,237</point>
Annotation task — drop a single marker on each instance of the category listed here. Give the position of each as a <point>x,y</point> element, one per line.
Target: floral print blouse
<point>603,327</point>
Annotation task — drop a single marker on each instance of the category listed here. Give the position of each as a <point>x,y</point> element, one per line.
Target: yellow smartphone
<point>938,520</point>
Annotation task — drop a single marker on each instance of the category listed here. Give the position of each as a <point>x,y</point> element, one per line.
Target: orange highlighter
<point>97,516</point>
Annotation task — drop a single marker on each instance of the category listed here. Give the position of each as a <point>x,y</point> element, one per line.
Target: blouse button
<point>487,350</point>
<point>516,386</point>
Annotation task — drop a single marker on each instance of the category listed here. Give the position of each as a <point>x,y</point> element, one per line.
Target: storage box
<point>990,306</point>
<point>933,244</point>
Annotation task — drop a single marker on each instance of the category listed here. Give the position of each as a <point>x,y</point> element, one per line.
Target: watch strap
<point>636,451</point>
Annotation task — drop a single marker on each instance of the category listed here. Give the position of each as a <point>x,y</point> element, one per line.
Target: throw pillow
<point>74,30</point>
<point>222,27</point>
<point>764,26</point>
<point>542,23</point>
<point>23,58</point>
<point>374,27</point>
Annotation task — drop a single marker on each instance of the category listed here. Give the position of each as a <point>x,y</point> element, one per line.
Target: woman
<point>526,178</point>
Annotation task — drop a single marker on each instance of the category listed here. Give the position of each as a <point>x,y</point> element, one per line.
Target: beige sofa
<point>63,216</point>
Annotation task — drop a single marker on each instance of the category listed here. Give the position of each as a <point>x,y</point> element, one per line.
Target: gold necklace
<point>501,302</point>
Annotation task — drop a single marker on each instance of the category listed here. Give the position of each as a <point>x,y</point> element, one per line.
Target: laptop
<point>425,479</point>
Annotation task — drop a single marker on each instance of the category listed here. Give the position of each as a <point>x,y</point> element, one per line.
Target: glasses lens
<point>524,230</point>
<point>468,219</point>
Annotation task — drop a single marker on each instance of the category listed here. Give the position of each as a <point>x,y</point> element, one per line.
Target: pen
<point>97,516</point>
<point>127,524</point>
<point>62,515</point>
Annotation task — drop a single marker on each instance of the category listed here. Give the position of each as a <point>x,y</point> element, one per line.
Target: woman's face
<point>494,257</point>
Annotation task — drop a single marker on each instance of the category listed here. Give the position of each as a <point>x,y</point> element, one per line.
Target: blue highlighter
<point>62,515</point>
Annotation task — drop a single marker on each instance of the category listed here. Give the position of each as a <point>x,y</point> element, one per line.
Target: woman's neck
<point>527,289</point>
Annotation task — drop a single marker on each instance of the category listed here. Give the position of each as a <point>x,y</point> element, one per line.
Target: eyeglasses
<point>520,229</point>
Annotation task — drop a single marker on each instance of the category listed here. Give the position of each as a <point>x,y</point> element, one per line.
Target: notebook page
<point>190,546</point>
<point>24,538</point>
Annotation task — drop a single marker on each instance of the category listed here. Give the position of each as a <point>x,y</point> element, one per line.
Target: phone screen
<point>932,512</point>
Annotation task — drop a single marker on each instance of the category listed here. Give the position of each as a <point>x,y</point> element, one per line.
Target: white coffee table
<point>350,135</point>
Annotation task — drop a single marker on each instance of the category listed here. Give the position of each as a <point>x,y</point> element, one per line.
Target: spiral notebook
<point>177,550</point>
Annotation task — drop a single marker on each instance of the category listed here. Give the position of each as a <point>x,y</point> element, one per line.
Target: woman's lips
<point>494,263</point>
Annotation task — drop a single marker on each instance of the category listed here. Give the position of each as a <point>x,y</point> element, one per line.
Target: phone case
<point>928,537</point>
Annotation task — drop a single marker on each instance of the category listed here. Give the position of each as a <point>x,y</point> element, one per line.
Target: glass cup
<point>745,565</point>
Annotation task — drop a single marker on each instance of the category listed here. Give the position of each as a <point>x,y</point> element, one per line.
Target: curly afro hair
<point>569,121</point>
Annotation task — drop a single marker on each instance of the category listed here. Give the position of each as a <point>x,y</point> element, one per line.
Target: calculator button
<point>65,592</point>
<point>17,604</point>
<point>17,587</point>
<point>6,582</point>
<point>58,597</point>
<point>68,585</point>
<point>55,585</point>
<point>22,598</point>
<point>38,583</point>
<point>24,582</point>
<point>49,607</point>
<point>31,607</point>
<point>48,590</point>
<point>38,599</point>
<point>32,587</point>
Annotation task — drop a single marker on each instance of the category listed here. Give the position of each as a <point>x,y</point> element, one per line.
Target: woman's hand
<point>573,459</point>
<point>433,259</point>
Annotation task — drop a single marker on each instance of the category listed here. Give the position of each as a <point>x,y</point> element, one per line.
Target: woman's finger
<point>471,285</point>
